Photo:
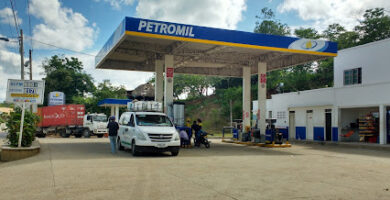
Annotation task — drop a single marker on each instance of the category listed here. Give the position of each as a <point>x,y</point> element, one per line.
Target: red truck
<point>64,119</point>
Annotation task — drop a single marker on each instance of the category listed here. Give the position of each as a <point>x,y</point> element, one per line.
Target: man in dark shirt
<point>196,128</point>
<point>112,133</point>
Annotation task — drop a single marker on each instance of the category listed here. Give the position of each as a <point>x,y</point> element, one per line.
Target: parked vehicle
<point>95,124</point>
<point>147,132</point>
<point>63,119</point>
<point>203,139</point>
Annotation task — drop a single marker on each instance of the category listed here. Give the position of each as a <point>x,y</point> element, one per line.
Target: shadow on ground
<point>83,149</point>
<point>353,150</point>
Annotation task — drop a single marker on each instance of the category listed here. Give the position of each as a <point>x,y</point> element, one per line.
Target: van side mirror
<point>126,122</point>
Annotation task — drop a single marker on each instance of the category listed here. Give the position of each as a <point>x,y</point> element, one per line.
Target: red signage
<point>263,78</point>
<point>169,72</point>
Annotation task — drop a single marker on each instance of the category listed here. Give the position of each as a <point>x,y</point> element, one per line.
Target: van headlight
<point>141,136</point>
<point>177,137</point>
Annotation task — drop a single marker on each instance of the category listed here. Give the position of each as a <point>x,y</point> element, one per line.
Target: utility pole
<point>21,50</point>
<point>30,57</point>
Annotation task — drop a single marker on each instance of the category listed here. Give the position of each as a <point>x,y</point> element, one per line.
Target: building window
<point>270,114</point>
<point>353,76</point>
<point>281,115</point>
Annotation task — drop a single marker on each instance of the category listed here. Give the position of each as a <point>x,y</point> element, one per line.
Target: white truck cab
<point>95,124</point>
<point>147,132</point>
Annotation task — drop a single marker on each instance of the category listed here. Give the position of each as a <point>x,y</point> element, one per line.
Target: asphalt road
<point>85,169</point>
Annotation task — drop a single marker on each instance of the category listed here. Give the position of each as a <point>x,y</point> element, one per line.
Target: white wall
<point>363,95</point>
<point>373,58</point>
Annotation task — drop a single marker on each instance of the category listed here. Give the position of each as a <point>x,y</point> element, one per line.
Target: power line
<point>9,21</point>
<point>52,45</point>
<point>29,23</point>
<point>15,20</point>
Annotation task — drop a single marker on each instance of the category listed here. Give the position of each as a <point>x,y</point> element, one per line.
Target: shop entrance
<point>291,125</point>
<point>309,124</point>
<point>328,126</point>
<point>360,125</point>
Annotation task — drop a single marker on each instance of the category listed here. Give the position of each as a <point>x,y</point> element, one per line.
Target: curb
<point>16,153</point>
<point>381,147</point>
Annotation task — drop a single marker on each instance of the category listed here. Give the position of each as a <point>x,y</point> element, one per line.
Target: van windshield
<point>153,120</point>
<point>99,118</point>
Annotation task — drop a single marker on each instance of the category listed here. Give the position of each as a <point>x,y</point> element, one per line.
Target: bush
<point>29,127</point>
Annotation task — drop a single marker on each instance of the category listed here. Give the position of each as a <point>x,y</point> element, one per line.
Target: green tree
<point>267,24</point>
<point>309,33</point>
<point>29,127</point>
<point>194,85</point>
<point>333,32</point>
<point>375,26</point>
<point>66,75</point>
<point>104,90</point>
<point>344,39</point>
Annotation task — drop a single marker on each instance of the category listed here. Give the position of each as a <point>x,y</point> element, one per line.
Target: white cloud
<point>215,13</point>
<point>322,13</point>
<point>9,60</point>
<point>61,26</point>
<point>117,4</point>
<point>6,17</point>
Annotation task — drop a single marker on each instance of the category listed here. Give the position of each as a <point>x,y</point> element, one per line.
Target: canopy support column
<point>159,82</point>
<point>117,113</point>
<point>382,124</point>
<point>112,111</point>
<point>262,96</point>
<point>246,98</point>
<point>168,91</point>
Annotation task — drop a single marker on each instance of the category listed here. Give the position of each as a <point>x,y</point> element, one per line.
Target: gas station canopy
<point>114,102</point>
<point>138,43</point>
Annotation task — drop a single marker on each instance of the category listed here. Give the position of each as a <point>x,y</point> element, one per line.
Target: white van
<point>147,132</point>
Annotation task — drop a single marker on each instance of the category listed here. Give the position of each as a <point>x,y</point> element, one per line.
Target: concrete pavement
<point>84,169</point>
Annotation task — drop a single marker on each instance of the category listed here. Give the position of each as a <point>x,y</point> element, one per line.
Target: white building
<point>361,91</point>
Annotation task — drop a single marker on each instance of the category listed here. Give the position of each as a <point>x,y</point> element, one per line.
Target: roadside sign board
<point>25,91</point>
<point>56,98</point>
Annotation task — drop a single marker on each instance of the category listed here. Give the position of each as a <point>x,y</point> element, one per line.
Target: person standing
<point>112,133</point>
<point>196,128</point>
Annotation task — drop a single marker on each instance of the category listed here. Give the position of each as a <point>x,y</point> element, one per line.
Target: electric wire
<point>58,47</point>
<point>9,21</point>
<point>29,23</point>
<point>15,18</point>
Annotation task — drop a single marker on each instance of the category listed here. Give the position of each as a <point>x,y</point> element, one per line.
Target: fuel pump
<point>272,134</point>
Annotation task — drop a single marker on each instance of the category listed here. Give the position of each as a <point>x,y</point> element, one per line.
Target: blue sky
<point>107,18</point>
<point>85,25</point>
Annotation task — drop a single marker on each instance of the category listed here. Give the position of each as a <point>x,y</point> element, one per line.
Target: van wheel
<point>120,147</point>
<point>134,149</point>
<point>175,153</point>
<point>86,133</point>
<point>100,135</point>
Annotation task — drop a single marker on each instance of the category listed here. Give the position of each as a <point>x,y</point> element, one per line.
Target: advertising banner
<point>56,98</point>
<point>25,91</point>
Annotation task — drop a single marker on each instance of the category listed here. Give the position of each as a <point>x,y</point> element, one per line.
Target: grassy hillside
<point>209,110</point>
